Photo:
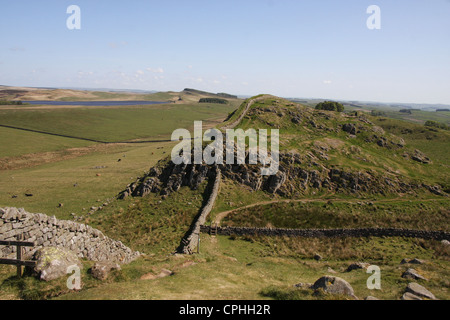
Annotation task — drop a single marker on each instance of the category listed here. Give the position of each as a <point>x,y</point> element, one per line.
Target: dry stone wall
<point>331,233</point>
<point>190,240</point>
<point>45,231</point>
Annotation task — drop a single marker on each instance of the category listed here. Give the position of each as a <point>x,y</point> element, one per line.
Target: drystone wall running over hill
<point>45,231</point>
<point>190,240</point>
<point>244,112</point>
<point>331,233</point>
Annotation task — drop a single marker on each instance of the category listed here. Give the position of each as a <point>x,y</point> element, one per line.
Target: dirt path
<point>220,216</point>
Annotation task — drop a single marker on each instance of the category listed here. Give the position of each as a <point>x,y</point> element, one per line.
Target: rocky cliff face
<point>297,176</point>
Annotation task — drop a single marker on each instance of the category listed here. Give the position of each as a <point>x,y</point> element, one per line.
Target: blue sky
<point>290,48</point>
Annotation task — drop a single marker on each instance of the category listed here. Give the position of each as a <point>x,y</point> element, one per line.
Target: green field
<point>114,124</point>
<point>49,166</point>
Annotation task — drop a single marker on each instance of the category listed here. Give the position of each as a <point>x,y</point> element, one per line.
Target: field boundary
<point>85,139</point>
<point>328,233</point>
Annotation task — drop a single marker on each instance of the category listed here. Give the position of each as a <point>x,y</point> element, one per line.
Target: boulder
<point>419,156</point>
<point>303,285</point>
<point>357,265</point>
<point>349,128</point>
<point>416,261</point>
<point>330,270</point>
<point>52,263</point>
<point>101,270</point>
<point>410,296</point>
<point>412,274</point>
<point>334,285</point>
<point>370,298</point>
<point>418,290</point>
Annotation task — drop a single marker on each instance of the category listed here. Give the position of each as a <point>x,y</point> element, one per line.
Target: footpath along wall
<point>45,231</point>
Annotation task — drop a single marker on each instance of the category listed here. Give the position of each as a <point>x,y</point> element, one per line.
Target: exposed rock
<point>357,265</point>
<point>101,270</point>
<point>416,261</point>
<point>334,285</point>
<point>418,290</point>
<point>330,270</point>
<point>445,242</point>
<point>419,156</point>
<point>370,298</point>
<point>276,181</point>
<point>404,261</point>
<point>303,285</point>
<point>52,263</point>
<point>410,296</point>
<point>412,274</point>
<point>296,119</point>
<point>349,128</point>
<point>318,257</point>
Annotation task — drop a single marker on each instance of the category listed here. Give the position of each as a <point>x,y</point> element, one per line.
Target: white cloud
<point>327,81</point>
<point>84,73</point>
<point>140,72</point>
<point>157,70</point>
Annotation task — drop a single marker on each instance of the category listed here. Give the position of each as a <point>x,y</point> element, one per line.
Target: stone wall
<point>331,233</point>
<point>190,240</point>
<point>45,231</point>
<point>244,112</point>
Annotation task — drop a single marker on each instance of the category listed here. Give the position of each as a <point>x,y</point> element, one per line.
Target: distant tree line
<point>10,103</point>
<point>442,110</point>
<point>407,111</point>
<point>378,113</point>
<point>213,100</point>
<point>330,106</point>
<point>435,124</point>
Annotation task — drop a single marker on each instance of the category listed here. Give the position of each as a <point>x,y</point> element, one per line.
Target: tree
<point>330,106</point>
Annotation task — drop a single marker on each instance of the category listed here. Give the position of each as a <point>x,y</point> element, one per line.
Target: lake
<point>94,103</point>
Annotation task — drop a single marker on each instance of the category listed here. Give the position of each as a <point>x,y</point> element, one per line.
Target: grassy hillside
<point>114,124</point>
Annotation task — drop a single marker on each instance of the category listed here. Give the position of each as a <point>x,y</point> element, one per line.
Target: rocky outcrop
<point>85,241</point>
<point>298,175</point>
<point>295,177</point>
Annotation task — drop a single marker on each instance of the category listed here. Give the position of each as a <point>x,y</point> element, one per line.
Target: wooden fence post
<point>19,256</point>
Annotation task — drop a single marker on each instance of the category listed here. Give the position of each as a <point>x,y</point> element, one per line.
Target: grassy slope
<point>114,124</point>
<point>15,143</point>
